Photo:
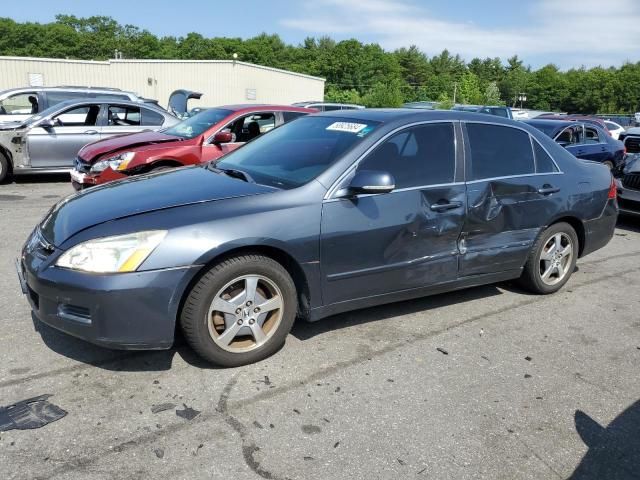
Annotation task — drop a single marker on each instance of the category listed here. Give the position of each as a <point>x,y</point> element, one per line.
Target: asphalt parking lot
<point>487,383</point>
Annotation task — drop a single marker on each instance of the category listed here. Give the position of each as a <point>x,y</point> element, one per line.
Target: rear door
<point>594,146</point>
<point>512,193</point>
<point>58,146</point>
<point>378,244</point>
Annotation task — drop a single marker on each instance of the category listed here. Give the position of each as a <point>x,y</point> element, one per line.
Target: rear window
<point>498,151</point>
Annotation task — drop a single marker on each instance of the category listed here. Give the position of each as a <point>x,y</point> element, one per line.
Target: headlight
<point>117,162</point>
<point>123,253</point>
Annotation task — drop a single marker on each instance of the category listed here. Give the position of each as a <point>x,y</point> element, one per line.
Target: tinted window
<point>198,124</point>
<point>53,98</point>
<point>498,151</point>
<point>330,108</point>
<point>123,116</point>
<point>110,96</point>
<point>151,118</point>
<point>299,151</point>
<point>544,163</point>
<point>288,116</point>
<point>591,135</point>
<point>423,155</point>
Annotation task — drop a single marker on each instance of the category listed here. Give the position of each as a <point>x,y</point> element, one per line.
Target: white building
<point>221,81</point>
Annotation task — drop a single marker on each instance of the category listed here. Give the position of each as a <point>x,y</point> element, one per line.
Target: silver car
<point>50,141</point>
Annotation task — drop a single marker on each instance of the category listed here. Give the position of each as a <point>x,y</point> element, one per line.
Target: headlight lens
<point>122,253</point>
<point>117,162</point>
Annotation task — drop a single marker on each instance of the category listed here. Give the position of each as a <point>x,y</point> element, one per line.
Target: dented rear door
<point>508,200</point>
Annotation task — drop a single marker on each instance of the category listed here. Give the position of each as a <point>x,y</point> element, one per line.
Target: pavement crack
<point>249,448</point>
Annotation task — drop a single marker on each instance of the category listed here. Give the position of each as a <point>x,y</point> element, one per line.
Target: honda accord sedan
<point>330,213</point>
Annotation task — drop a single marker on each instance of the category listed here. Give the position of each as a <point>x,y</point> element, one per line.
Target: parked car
<point>486,109</point>
<point>426,105</point>
<point>637,119</point>
<point>584,140</point>
<point>18,104</point>
<point>629,186</point>
<point>614,129</point>
<point>575,118</point>
<point>49,142</point>
<point>329,213</point>
<point>328,106</point>
<point>206,136</point>
<point>631,140</point>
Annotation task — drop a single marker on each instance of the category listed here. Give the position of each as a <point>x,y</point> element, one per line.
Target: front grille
<point>631,181</point>
<point>633,144</point>
<point>81,166</point>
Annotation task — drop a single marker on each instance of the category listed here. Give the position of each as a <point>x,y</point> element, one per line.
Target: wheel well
<point>163,163</point>
<point>578,227</point>
<point>280,256</point>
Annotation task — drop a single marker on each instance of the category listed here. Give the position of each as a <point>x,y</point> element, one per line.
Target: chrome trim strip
<point>514,176</point>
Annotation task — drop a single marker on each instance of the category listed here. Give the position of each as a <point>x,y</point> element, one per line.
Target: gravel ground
<point>487,383</point>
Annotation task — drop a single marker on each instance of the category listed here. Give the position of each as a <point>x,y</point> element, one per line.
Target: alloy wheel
<point>556,258</point>
<point>245,313</point>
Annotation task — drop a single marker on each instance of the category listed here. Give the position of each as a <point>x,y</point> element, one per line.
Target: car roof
<point>66,89</point>
<point>551,122</point>
<point>249,107</point>
<point>388,115</point>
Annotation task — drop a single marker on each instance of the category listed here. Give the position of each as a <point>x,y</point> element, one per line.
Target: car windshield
<point>198,124</point>
<point>295,153</point>
<point>45,113</point>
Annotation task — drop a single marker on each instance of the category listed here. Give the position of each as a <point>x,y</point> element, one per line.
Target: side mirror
<point>369,182</point>
<point>223,137</point>
<point>47,123</point>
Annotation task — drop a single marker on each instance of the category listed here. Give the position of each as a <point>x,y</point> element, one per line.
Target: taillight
<point>613,189</point>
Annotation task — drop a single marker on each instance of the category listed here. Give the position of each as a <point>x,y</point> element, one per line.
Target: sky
<point>569,34</point>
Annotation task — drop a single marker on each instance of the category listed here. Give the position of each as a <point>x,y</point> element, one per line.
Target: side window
<point>330,108</point>
<point>151,118</point>
<point>84,116</point>
<point>422,155</point>
<point>288,116</point>
<point>20,104</point>
<point>591,135</point>
<point>544,163</point>
<point>110,96</point>
<point>498,151</point>
<point>123,116</point>
<point>251,126</point>
<point>53,98</point>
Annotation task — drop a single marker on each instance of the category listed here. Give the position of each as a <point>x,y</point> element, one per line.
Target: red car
<point>206,136</point>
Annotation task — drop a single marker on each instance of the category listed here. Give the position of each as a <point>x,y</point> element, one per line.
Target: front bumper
<point>131,311</point>
<point>81,180</point>
<point>628,200</point>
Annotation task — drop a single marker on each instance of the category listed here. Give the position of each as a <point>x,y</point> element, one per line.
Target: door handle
<point>91,132</point>
<point>443,207</point>
<point>548,190</point>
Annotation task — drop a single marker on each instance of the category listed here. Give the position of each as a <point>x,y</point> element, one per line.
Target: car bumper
<point>81,180</point>
<point>131,311</point>
<point>628,200</point>
<point>599,232</point>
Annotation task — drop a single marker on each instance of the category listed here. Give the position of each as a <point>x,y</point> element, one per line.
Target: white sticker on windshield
<point>348,127</point>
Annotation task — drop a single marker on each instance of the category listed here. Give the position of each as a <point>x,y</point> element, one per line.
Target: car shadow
<point>614,450</point>
<point>117,360</point>
<point>305,330</point>
<point>40,178</point>
<point>161,360</point>
<point>629,223</point>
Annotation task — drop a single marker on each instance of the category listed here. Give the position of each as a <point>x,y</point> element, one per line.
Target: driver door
<point>58,146</point>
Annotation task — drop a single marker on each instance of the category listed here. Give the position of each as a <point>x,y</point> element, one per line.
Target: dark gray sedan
<point>326,214</point>
<point>50,141</point>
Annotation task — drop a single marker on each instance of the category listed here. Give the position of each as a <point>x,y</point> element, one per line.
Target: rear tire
<point>552,260</point>
<point>240,311</point>
<point>5,167</point>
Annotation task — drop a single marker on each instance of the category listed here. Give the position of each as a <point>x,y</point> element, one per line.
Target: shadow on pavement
<point>39,178</point>
<point>629,223</point>
<point>304,330</point>
<point>614,451</point>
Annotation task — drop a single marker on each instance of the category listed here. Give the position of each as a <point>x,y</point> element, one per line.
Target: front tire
<point>240,311</point>
<point>552,260</point>
<point>4,167</point>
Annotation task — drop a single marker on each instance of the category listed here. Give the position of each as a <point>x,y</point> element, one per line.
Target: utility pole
<point>455,91</point>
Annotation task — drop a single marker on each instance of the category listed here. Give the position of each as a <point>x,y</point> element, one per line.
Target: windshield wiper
<point>232,172</point>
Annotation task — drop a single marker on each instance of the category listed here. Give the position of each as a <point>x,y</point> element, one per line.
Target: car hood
<point>632,164</point>
<point>139,195</point>
<point>91,152</point>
